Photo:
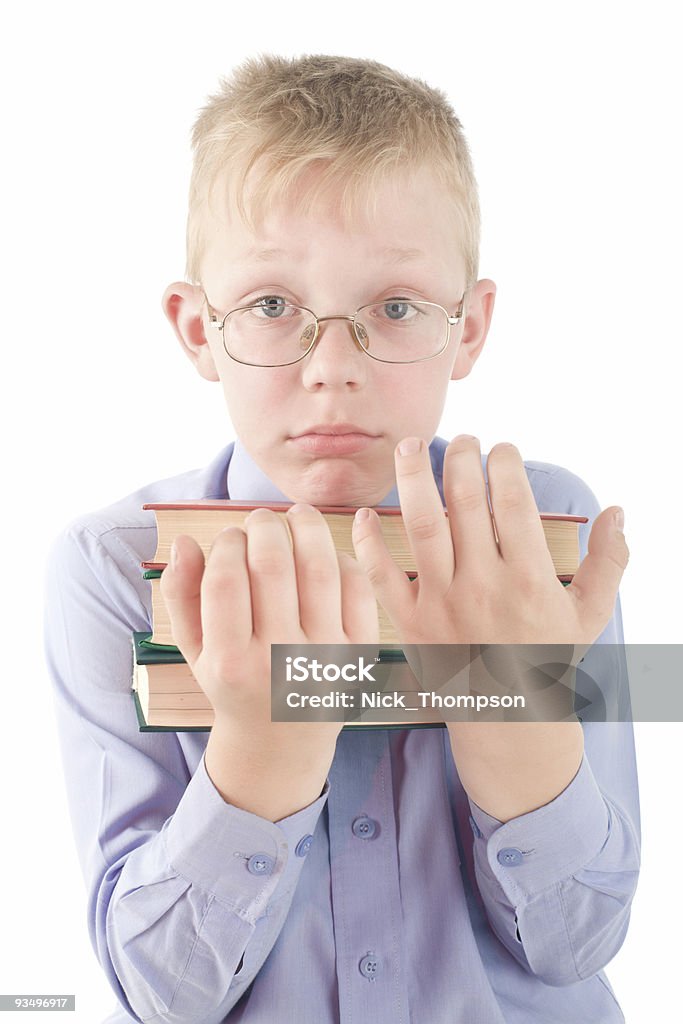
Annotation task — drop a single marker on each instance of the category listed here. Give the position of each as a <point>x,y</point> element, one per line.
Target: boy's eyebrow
<point>265,254</point>
<point>395,254</point>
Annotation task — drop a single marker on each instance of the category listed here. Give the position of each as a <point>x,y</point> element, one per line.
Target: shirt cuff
<point>238,856</point>
<point>538,849</point>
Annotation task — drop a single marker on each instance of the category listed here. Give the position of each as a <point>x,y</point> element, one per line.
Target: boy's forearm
<point>268,782</point>
<point>511,768</point>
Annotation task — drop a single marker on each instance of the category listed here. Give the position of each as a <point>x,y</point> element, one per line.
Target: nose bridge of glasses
<point>358,332</point>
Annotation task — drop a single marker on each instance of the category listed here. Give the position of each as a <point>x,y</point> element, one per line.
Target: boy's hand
<point>255,591</point>
<point>469,589</point>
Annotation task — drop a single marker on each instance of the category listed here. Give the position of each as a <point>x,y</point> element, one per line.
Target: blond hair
<point>356,121</point>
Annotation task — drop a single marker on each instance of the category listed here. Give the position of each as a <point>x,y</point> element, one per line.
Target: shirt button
<point>260,864</point>
<point>364,827</point>
<point>303,846</point>
<point>369,966</point>
<point>509,857</point>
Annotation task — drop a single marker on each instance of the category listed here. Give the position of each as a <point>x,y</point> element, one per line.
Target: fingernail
<point>619,518</point>
<point>410,446</point>
<point>255,511</point>
<point>361,514</point>
<point>299,507</point>
<point>174,555</point>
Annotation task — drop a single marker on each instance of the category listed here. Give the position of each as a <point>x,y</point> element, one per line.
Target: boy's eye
<point>398,309</point>
<point>393,310</point>
<point>273,306</point>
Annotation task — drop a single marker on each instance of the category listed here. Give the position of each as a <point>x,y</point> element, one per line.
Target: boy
<point>277,872</point>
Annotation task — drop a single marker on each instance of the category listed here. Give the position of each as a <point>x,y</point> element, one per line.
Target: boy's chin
<point>335,482</point>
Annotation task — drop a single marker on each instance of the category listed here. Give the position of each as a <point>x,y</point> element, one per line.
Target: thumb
<point>597,579</point>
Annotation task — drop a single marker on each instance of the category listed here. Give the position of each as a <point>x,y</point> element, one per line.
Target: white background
<point>572,112</point>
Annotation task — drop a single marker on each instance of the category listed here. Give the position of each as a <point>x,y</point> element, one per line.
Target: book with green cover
<point>167,697</point>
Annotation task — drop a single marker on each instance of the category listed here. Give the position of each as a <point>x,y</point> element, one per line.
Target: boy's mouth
<point>334,439</point>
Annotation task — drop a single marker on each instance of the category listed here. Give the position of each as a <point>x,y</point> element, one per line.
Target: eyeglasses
<point>273,332</point>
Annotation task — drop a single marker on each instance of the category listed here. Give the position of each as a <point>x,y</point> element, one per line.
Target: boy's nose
<point>337,356</point>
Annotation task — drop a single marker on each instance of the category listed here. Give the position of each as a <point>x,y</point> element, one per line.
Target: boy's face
<point>331,270</point>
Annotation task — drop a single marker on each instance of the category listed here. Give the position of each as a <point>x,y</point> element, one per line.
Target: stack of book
<point>167,696</point>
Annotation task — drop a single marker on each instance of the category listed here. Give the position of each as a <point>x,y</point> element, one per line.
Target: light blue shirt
<point>391,899</point>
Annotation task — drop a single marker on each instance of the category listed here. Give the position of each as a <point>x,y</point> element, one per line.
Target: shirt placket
<point>366,900</point>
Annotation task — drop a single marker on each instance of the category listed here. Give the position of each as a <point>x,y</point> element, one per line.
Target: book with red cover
<point>204,520</point>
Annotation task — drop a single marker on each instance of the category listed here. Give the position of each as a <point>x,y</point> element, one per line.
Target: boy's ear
<point>479,310</point>
<point>183,305</point>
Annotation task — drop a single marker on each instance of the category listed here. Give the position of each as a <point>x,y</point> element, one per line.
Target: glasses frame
<point>452,320</point>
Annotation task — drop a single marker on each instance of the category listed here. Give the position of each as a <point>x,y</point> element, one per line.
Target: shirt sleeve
<point>557,883</point>
<point>186,893</point>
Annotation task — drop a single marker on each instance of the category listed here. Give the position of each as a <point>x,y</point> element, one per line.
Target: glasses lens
<point>271,333</point>
<point>401,330</point>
